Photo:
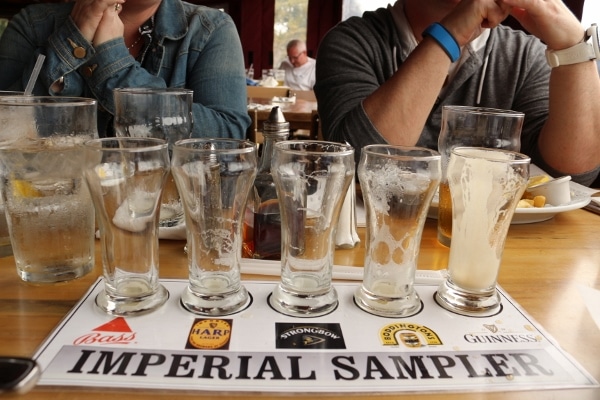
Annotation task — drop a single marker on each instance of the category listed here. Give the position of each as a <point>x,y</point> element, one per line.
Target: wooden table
<point>543,265</point>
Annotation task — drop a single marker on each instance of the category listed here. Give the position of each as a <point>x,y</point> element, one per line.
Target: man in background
<point>299,67</point>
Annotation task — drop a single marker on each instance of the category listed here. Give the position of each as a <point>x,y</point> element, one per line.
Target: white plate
<point>579,199</point>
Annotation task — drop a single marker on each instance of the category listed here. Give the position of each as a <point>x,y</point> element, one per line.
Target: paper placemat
<point>348,350</point>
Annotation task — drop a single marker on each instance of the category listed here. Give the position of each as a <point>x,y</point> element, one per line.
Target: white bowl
<point>557,191</point>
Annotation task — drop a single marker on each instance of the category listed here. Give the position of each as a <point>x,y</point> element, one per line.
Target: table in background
<point>543,265</point>
<point>302,114</point>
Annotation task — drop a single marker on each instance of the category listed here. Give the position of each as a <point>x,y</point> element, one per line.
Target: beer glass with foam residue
<point>398,184</point>
<point>485,185</point>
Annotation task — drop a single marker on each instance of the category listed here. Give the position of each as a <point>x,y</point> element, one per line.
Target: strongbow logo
<point>313,336</point>
<point>211,334</point>
<point>113,332</point>
<point>411,335</point>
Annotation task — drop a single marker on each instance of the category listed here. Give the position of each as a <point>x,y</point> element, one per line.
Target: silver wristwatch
<point>581,52</point>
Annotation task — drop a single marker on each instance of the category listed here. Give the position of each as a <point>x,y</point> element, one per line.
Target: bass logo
<point>210,334</point>
<point>116,331</point>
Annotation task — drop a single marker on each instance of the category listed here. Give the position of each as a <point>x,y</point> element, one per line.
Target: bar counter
<point>543,266</point>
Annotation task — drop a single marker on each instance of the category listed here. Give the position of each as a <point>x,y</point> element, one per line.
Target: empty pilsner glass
<point>397,184</point>
<point>214,178</point>
<point>311,178</point>
<point>126,177</point>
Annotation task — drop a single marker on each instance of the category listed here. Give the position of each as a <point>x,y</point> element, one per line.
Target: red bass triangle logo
<point>116,325</point>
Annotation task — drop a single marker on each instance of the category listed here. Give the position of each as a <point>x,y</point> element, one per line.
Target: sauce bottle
<point>262,238</point>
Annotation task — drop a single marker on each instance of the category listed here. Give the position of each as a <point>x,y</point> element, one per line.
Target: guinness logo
<point>491,328</point>
<point>210,334</point>
<point>309,336</point>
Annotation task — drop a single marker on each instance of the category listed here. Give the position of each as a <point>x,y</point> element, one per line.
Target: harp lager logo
<point>210,334</point>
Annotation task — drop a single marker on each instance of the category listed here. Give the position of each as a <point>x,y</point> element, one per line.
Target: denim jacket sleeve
<point>27,36</point>
<point>206,58</point>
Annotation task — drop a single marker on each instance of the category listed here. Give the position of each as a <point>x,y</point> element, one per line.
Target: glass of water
<point>125,177</point>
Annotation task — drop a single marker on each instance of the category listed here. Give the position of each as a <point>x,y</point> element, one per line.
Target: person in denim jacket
<point>95,46</point>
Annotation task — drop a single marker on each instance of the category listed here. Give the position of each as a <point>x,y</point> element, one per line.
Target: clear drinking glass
<point>280,76</point>
<point>486,185</point>
<point>5,246</point>
<point>311,179</point>
<point>126,177</point>
<point>164,113</point>
<point>475,127</point>
<point>214,177</point>
<point>397,184</point>
<point>43,190</point>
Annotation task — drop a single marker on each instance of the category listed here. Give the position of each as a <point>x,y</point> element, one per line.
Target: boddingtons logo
<point>409,334</point>
<point>210,334</point>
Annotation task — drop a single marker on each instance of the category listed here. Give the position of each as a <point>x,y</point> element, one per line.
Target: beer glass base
<point>126,306</point>
<point>443,239</point>
<point>215,304</point>
<point>382,306</point>
<point>303,305</point>
<point>54,274</point>
<point>463,302</point>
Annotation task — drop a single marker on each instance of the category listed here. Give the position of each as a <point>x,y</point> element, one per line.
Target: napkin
<point>346,236</point>
<point>284,100</point>
<point>591,298</point>
<point>269,82</point>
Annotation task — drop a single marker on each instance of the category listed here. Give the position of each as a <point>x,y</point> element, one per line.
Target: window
<point>290,23</point>
<point>352,8</point>
<point>591,13</point>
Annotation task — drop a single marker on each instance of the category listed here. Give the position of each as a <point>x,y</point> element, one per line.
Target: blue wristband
<point>445,39</point>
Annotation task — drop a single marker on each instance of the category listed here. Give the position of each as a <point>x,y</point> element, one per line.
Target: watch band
<point>581,52</point>
<point>445,39</point>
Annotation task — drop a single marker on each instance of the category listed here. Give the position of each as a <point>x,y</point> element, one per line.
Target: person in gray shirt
<point>384,77</point>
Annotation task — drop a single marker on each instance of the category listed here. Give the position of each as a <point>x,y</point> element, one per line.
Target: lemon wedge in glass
<point>24,189</point>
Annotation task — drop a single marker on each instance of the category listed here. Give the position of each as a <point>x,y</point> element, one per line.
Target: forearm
<point>570,138</point>
<point>400,107</point>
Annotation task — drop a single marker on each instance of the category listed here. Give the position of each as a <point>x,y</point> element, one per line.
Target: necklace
<point>136,42</point>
